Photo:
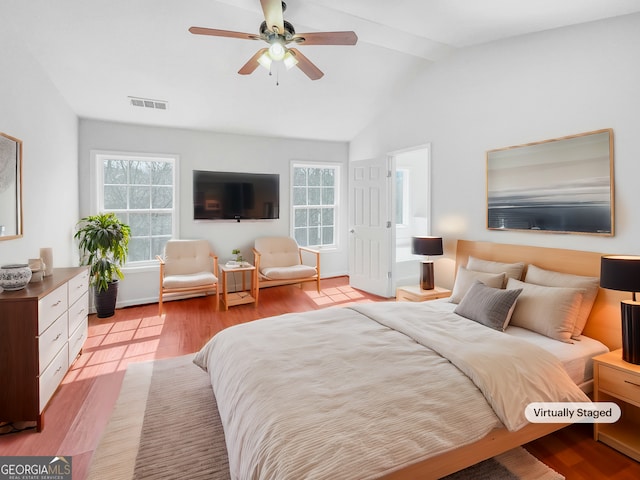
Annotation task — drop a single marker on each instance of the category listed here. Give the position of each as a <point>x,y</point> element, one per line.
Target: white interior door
<point>370,232</point>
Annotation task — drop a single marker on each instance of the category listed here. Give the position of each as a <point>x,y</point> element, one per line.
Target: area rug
<point>164,427</point>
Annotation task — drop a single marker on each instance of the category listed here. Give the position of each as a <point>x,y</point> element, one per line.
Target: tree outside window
<point>315,204</point>
<point>141,192</point>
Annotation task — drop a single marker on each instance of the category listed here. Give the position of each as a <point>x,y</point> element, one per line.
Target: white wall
<point>530,88</point>
<point>32,110</point>
<point>200,150</point>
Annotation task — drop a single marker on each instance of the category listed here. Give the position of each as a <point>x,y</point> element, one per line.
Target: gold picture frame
<point>10,187</point>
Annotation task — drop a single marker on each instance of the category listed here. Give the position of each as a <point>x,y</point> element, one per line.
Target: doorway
<point>412,209</point>
<point>389,203</point>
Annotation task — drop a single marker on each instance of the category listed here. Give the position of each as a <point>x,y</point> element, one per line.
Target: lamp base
<point>426,276</point>
<point>630,331</point>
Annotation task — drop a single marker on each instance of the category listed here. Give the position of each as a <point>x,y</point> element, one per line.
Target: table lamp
<point>622,272</point>
<point>427,246</point>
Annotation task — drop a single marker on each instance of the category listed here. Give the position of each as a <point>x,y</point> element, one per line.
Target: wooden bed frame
<point>603,325</point>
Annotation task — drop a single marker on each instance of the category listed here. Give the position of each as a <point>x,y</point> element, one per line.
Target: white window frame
<point>97,175</point>
<point>406,205</point>
<point>337,167</point>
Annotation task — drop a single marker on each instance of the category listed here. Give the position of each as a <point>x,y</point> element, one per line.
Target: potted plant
<point>238,255</point>
<point>104,245</point>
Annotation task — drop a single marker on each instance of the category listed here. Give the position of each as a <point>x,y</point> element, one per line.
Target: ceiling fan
<point>279,33</point>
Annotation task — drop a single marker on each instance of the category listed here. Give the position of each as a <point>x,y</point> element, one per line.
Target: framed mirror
<point>10,187</point>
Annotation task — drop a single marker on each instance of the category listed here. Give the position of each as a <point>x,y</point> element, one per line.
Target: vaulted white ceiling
<point>100,52</point>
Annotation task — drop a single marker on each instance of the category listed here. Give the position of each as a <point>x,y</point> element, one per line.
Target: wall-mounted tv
<point>235,195</point>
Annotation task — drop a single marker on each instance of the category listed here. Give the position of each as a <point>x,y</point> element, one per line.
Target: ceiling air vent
<point>148,103</point>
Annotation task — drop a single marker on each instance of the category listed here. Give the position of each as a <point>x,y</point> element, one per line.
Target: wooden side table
<point>243,296</point>
<point>413,293</point>
<point>618,381</point>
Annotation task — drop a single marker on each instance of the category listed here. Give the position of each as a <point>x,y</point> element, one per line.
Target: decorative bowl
<point>14,276</point>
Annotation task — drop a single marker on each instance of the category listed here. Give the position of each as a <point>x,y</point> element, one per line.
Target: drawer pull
<point>57,337</point>
<point>56,304</point>
<point>632,383</point>
<point>59,368</point>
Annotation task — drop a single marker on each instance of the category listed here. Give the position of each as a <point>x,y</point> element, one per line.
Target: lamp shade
<point>620,272</point>
<point>427,246</point>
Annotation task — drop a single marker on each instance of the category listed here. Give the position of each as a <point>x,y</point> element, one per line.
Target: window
<point>315,190</point>
<point>140,190</point>
<point>402,197</point>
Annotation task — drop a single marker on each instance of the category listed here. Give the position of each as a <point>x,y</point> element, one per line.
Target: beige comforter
<point>355,393</point>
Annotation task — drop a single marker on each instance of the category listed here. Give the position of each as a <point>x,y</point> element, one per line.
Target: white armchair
<point>279,261</point>
<point>188,266</point>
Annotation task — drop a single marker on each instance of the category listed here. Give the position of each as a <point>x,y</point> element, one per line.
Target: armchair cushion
<point>286,273</point>
<point>189,280</point>
<point>277,252</point>
<point>186,257</point>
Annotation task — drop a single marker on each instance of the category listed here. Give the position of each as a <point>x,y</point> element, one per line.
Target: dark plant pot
<point>106,300</point>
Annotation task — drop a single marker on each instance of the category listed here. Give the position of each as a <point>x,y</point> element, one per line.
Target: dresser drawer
<point>51,307</point>
<point>626,385</point>
<point>78,312</point>
<point>53,375</point>
<point>51,341</point>
<point>78,286</point>
<point>77,339</point>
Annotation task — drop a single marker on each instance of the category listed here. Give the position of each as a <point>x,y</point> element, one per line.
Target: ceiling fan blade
<point>223,33</point>
<point>304,64</point>
<point>273,14</point>
<point>252,64</point>
<point>326,38</point>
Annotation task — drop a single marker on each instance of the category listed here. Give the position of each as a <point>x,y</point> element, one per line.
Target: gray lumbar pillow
<point>489,306</point>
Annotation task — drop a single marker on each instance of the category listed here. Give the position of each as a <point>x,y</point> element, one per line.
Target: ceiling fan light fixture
<point>277,50</point>
<point>265,60</point>
<point>278,33</point>
<point>289,60</point>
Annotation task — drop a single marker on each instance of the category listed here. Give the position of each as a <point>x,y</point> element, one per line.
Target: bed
<point>404,390</point>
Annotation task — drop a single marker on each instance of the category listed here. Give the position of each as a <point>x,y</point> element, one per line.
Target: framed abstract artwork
<point>562,185</point>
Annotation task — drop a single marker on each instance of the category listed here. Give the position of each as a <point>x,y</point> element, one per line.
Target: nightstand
<point>618,381</point>
<point>413,293</point>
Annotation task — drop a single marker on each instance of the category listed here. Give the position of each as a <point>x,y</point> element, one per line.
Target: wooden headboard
<point>604,321</point>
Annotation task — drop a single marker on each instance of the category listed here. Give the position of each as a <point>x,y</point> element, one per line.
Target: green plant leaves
<point>104,245</point>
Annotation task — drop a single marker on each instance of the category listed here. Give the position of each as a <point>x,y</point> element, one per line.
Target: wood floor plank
<point>82,406</point>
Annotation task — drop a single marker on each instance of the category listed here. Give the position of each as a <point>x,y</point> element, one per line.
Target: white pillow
<point>466,278</point>
<point>511,270</point>
<point>550,311</point>
<point>540,276</point>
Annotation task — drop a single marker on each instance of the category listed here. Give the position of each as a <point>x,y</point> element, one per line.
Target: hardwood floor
<point>574,453</point>
<point>80,410</point>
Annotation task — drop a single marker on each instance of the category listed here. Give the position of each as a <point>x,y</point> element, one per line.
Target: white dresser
<point>42,330</point>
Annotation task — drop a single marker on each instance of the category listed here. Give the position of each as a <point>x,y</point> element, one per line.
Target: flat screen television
<point>235,195</point>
